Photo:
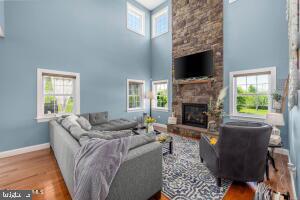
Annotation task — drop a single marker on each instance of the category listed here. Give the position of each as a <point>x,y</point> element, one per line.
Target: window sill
<point>50,117</point>
<point>136,110</point>
<point>248,118</point>
<point>160,109</point>
<point>45,118</point>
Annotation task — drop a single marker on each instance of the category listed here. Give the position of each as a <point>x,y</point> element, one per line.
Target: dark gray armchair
<point>240,153</point>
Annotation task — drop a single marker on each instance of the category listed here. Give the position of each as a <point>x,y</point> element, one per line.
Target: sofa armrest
<point>209,154</point>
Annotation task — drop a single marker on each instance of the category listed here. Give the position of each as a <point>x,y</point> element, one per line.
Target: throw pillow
<point>84,123</point>
<point>98,118</point>
<point>60,119</point>
<point>77,132</point>
<point>66,123</point>
<point>73,118</point>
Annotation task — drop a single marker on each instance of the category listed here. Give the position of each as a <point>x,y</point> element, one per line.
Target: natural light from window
<point>58,93</point>
<point>252,92</point>
<point>160,91</point>
<point>135,94</point>
<point>135,19</point>
<point>160,22</point>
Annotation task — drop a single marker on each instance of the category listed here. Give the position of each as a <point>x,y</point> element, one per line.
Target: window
<point>135,19</point>
<point>160,22</point>
<point>250,92</point>
<point>160,91</point>
<point>135,95</point>
<point>57,93</point>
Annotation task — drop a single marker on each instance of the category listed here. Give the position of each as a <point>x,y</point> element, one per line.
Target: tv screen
<point>194,66</point>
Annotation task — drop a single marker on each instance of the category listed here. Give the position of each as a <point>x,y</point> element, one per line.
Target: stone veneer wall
<point>197,27</point>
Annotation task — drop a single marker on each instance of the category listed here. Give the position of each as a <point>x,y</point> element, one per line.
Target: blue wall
<point>161,61</point>
<point>89,37</point>
<point>294,137</point>
<point>255,35</point>
<point>2,14</point>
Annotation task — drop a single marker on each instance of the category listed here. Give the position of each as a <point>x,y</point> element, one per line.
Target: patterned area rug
<point>185,177</point>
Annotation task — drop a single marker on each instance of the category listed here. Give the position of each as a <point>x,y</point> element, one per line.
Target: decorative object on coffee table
<point>164,138</point>
<point>149,124</point>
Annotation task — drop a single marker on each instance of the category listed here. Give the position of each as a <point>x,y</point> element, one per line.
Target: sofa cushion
<point>66,123</point>
<point>84,123</point>
<point>104,127</point>
<point>86,116</point>
<point>98,118</point>
<point>60,119</point>
<point>76,131</point>
<point>121,124</point>
<point>73,118</point>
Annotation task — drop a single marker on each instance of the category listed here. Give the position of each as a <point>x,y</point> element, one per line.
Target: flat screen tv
<point>197,65</point>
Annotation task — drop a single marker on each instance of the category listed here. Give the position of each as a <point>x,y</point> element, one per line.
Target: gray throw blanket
<point>97,163</point>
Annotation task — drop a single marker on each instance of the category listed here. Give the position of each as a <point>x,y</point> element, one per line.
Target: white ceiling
<point>151,4</point>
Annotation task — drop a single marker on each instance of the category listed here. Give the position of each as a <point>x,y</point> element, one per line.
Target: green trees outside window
<point>252,101</point>
<point>162,99</point>
<point>58,95</point>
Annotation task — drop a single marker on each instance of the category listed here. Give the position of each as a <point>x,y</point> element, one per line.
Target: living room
<point>127,73</point>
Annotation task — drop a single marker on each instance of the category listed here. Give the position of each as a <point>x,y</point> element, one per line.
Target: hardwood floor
<point>39,171</point>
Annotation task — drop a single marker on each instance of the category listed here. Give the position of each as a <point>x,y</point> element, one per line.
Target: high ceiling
<point>151,4</point>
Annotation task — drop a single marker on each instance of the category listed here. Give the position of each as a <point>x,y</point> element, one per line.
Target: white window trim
<point>41,117</point>
<point>143,96</point>
<point>153,102</point>
<point>134,9</point>
<point>154,16</point>
<point>232,96</point>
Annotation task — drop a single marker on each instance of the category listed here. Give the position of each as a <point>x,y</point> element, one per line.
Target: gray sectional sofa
<point>138,178</point>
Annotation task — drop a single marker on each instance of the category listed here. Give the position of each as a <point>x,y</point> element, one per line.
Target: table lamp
<point>275,119</point>
<point>150,96</point>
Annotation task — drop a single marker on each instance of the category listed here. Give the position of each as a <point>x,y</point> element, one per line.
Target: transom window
<point>160,91</point>
<point>160,22</point>
<point>58,93</point>
<point>135,95</point>
<point>251,92</point>
<point>135,19</point>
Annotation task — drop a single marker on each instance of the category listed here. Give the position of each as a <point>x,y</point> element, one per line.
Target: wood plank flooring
<point>39,170</point>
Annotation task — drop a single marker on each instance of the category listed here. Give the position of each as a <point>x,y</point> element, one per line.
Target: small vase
<point>150,128</point>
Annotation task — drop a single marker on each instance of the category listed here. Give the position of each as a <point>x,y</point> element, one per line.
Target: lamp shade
<point>275,119</point>
<point>1,32</point>
<point>149,95</point>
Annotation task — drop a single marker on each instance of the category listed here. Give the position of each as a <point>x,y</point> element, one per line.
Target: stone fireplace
<point>194,115</point>
<point>197,27</point>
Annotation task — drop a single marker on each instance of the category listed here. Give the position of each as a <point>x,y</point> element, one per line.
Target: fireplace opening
<point>193,115</point>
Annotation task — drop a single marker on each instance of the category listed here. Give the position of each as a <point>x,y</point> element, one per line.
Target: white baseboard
<point>160,125</point>
<point>19,151</point>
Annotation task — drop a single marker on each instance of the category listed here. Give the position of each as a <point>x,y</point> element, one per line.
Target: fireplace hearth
<point>193,115</point>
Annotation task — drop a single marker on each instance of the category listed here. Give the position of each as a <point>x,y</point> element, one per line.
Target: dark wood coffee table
<point>167,144</point>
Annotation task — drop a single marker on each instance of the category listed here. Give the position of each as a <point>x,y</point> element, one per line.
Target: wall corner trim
<point>23,150</point>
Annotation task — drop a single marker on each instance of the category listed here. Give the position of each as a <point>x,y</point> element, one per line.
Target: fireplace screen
<point>193,115</point>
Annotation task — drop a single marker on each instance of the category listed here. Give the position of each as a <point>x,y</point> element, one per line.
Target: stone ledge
<point>190,131</point>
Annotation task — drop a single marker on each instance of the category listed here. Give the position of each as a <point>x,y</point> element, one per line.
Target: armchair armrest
<point>209,154</point>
